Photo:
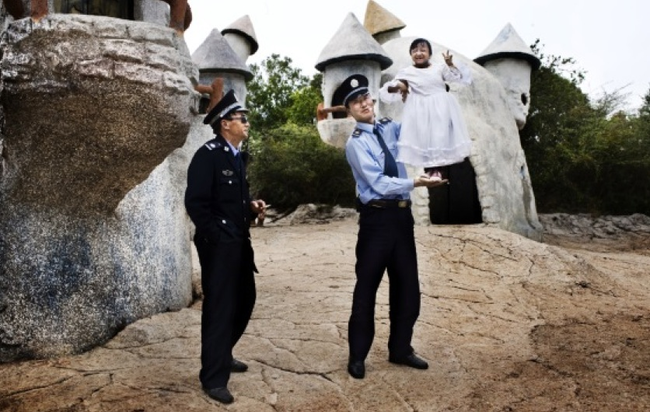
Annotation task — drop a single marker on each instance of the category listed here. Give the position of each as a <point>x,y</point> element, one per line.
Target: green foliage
<point>584,156</point>
<point>273,91</point>
<point>292,166</point>
<point>304,102</point>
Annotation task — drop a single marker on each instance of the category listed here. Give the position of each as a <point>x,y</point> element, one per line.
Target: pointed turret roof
<point>508,44</point>
<point>215,55</point>
<point>352,42</point>
<point>244,27</point>
<point>379,20</point>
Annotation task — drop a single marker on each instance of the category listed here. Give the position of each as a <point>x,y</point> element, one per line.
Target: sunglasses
<point>243,119</point>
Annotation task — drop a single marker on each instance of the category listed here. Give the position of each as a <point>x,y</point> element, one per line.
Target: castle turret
<point>351,50</point>
<point>511,61</point>
<point>216,58</point>
<point>382,24</point>
<point>241,37</point>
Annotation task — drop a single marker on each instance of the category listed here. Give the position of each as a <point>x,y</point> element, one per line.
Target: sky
<point>607,39</point>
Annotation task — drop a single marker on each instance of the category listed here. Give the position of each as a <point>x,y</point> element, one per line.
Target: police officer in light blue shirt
<point>366,157</point>
<point>385,240</point>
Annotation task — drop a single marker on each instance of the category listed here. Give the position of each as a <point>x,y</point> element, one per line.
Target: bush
<point>291,166</point>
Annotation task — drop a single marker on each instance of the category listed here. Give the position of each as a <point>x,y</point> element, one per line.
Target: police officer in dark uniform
<point>218,202</point>
<point>385,240</point>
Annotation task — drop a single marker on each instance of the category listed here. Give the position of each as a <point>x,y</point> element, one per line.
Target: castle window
<point>122,9</point>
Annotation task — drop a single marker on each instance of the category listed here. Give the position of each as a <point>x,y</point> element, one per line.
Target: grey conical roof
<point>508,44</point>
<point>352,42</point>
<point>244,27</point>
<point>379,20</point>
<point>215,55</point>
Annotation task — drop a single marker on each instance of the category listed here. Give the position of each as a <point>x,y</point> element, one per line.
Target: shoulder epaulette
<point>356,132</point>
<point>385,120</point>
<point>212,145</point>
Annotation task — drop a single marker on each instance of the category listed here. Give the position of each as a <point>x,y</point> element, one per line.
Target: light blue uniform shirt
<point>366,159</point>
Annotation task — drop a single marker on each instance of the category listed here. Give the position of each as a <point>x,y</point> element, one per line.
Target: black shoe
<point>410,360</point>
<point>238,366</point>
<point>356,369</point>
<point>220,394</point>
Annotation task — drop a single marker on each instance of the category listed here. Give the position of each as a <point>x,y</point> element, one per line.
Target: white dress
<point>433,130</point>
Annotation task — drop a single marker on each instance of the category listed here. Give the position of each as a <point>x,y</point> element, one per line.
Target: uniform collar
<point>235,150</point>
<point>366,127</point>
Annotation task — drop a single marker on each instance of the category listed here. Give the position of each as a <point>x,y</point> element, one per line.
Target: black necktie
<point>390,167</point>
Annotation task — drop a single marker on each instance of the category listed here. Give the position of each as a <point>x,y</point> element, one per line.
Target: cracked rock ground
<point>507,324</point>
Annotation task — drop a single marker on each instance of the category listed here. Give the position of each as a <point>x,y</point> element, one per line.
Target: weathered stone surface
<point>93,232</point>
<point>507,324</point>
<point>602,233</point>
<point>90,111</point>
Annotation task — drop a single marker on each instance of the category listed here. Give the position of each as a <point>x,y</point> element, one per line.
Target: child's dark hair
<point>418,41</point>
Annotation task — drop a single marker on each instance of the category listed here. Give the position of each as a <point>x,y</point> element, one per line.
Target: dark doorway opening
<point>457,202</point>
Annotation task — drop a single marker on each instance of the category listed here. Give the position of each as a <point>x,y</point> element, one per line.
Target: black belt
<point>389,203</point>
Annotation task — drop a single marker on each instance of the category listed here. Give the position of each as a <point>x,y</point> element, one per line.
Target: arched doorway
<point>122,9</point>
<point>457,202</point>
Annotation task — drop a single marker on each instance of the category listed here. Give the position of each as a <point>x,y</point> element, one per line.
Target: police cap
<point>353,86</point>
<point>228,104</point>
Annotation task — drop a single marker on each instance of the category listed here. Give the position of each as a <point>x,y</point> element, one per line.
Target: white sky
<point>608,39</point>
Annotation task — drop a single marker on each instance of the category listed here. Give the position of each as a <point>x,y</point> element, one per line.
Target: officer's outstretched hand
<point>427,181</point>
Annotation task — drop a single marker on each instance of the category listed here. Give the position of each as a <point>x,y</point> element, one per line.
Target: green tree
<point>273,91</point>
<point>552,137</point>
<point>290,164</point>
<point>626,162</point>
<point>305,100</point>
<point>584,156</point>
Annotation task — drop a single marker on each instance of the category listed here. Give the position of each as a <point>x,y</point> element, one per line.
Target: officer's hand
<point>427,181</point>
<point>258,206</point>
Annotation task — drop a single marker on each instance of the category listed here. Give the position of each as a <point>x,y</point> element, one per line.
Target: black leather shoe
<point>356,369</point>
<point>410,360</point>
<point>238,366</point>
<point>220,394</point>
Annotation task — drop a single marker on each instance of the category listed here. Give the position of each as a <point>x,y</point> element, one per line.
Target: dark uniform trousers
<point>385,242</point>
<point>229,297</point>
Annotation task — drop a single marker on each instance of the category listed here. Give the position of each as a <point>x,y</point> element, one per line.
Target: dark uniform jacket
<point>217,197</point>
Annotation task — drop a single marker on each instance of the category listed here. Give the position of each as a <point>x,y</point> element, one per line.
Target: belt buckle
<point>403,203</point>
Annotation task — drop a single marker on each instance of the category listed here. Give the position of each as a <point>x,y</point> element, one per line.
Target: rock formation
<point>93,234</point>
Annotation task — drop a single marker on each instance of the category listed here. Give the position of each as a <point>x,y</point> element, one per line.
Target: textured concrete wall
<point>514,76</point>
<point>152,11</point>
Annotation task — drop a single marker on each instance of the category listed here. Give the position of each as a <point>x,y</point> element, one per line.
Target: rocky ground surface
<point>507,324</point>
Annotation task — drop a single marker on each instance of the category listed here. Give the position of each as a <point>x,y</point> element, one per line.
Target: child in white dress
<point>433,133</point>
